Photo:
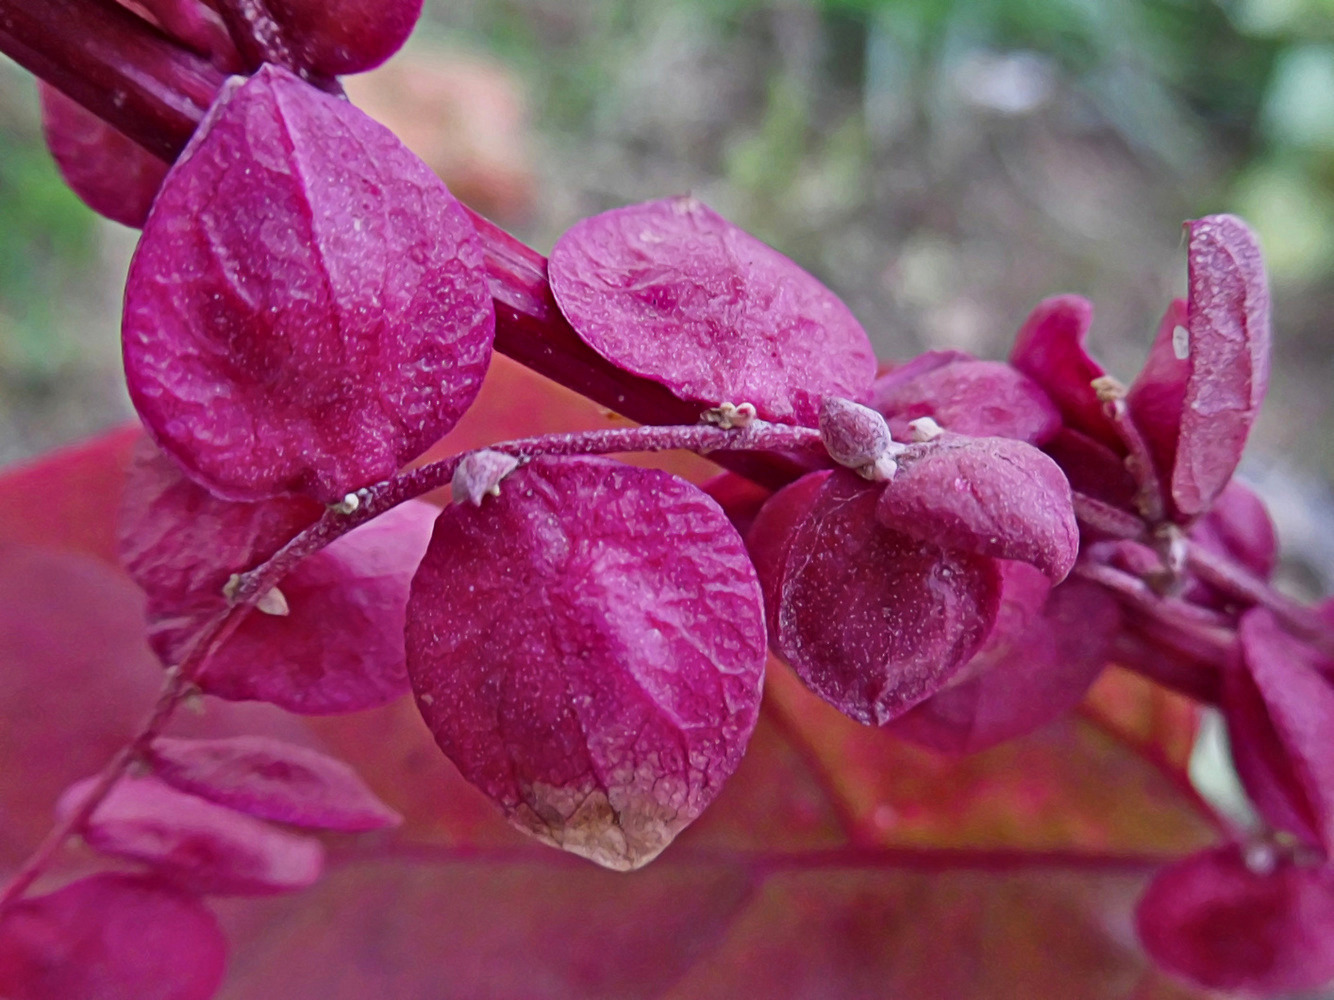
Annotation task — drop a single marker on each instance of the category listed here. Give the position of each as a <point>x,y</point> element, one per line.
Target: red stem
<point>130,75</point>
<point>114,63</point>
<point>172,691</point>
<point>1235,581</point>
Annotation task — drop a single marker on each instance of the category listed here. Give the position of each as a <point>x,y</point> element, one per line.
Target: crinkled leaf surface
<point>838,860</point>
<point>872,619</point>
<point>991,496</point>
<point>1280,712</point>
<point>672,291</point>
<point>1213,920</point>
<point>307,308</point>
<point>111,937</point>
<point>114,175</point>
<point>1049,349</point>
<point>1228,321</point>
<point>977,398</point>
<point>340,646</point>
<point>196,844</point>
<point>587,648</point>
<point>1033,669</point>
<point>271,779</point>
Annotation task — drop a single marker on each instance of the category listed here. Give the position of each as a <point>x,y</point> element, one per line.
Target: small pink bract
<point>307,309</point>
<point>588,649</point>
<point>873,621</point>
<point>271,779</point>
<point>992,496</point>
<point>977,398</point>
<point>197,845</point>
<point>672,291</point>
<point>339,648</point>
<point>334,37</point>
<point>113,174</point>
<point>1214,921</point>
<point>1228,321</point>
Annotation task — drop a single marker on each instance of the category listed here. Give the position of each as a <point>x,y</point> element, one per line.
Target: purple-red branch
<point>370,503</point>
<point>135,78</point>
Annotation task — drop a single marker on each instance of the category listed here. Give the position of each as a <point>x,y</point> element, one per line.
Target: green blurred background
<point>941,165</point>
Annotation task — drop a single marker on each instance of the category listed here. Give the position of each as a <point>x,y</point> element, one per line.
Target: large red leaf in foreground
<point>838,861</point>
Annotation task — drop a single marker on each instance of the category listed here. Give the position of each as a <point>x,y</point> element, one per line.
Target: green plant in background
<point>46,240</point>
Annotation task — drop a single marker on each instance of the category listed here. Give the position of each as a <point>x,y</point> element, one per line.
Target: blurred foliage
<point>45,241</point>
<point>1182,80</point>
<point>904,150</point>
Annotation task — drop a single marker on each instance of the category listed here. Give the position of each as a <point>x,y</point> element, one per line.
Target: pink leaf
<point>1238,527</point>
<point>587,648</point>
<point>892,375</point>
<point>1218,923</point>
<point>977,398</point>
<point>672,291</point>
<point>1033,668</point>
<point>340,646</point>
<point>1228,321</point>
<point>1049,348</point>
<point>273,780</point>
<point>1280,713</point>
<point>1158,393</point>
<point>111,937</point>
<point>307,309</point>
<point>872,620</point>
<point>114,175</point>
<point>196,844</point>
<point>991,496</point>
<point>334,37</point>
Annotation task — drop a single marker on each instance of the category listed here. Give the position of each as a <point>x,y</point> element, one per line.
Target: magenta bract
<point>588,648</point>
<point>991,496</point>
<point>111,937</point>
<point>114,175</point>
<point>271,779</point>
<point>872,620</point>
<point>1238,525</point>
<point>307,309</point>
<point>1228,323</point>
<point>181,544</point>
<point>1280,712</point>
<point>672,291</point>
<point>1049,348</point>
<point>196,844</point>
<point>1214,921</point>
<point>339,647</point>
<point>977,398</point>
<point>1158,393</point>
<point>333,37</point>
<point>1032,669</point>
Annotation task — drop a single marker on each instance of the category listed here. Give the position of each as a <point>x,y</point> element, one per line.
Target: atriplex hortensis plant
<point>949,548</point>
